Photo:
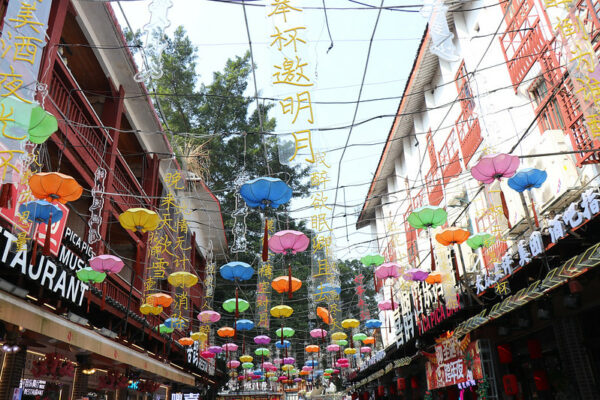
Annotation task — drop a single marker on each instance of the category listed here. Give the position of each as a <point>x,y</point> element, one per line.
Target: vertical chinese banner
<point>363,310</point>
<point>263,285</point>
<point>23,40</point>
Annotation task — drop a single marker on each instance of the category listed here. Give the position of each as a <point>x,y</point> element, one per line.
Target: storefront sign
<point>194,359</point>
<point>575,215</point>
<point>45,270</point>
<point>452,367</point>
<point>380,355</point>
<point>554,278</point>
<point>33,387</point>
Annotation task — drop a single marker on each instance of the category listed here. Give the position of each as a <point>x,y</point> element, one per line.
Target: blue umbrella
<point>373,324</point>
<point>265,191</point>
<point>174,323</point>
<point>527,179</point>
<point>311,363</point>
<point>244,325</point>
<point>327,288</point>
<point>318,372</point>
<point>257,372</point>
<point>236,271</point>
<point>40,211</point>
<point>285,344</point>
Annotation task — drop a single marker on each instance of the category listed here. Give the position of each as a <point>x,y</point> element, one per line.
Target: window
<point>411,240</point>
<point>449,162</point>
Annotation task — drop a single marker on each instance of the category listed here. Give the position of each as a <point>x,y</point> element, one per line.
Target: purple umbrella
<point>415,275</point>
<point>209,316</point>
<point>262,339</point>
<point>289,360</point>
<point>106,263</point>
<point>297,379</point>
<point>215,349</point>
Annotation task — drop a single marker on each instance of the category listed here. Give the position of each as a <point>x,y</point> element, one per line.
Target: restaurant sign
<point>453,366</point>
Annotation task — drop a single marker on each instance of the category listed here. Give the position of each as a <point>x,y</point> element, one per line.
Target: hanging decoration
<point>154,34</point>
<point>95,221</point>
<point>360,291</point>
<point>428,217</point>
<point>434,11</point>
<point>240,242</point>
<point>39,212</point>
<point>525,180</point>
<point>265,276</point>
<point>53,365</point>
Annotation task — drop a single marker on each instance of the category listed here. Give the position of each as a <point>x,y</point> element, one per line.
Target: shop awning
<point>21,313</point>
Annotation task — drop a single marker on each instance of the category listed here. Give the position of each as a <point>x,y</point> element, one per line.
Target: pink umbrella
<point>289,360</point>
<point>286,242</point>
<point>267,365</point>
<point>282,378</point>
<point>365,349</point>
<point>307,368</point>
<point>343,360</point>
<point>215,349</point>
<point>209,316</point>
<point>318,333</point>
<point>496,166</point>
<point>262,339</point>
<point>207,354</point>
<point>278,361</point>
<point>336,371</point>
<point>333,347</point>
<point>106,263</point>
<point>271,368</point>
<point>230,347</point>
<point>233,364</point>
<point>386,271</point>
<point>387,305</point>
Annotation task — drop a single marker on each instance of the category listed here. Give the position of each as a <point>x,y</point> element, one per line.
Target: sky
<point>218,30</point>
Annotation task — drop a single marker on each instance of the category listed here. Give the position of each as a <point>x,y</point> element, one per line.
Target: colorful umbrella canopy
<point>289,360</point>
<point>262,339</point>
<point>41,125</point>
<point>359,337</point>
<point>244,325</point>
<point>150,309</point>
<point>324,315</point>
<point>207,354</point>
<point>54,187</point>
<point>287,367</point>
<point>182,279</point>
<point>342,342</point>
<point>343,360</point>
<point>350,323</point>
<point>451,236</point>
<point>159,299</point>
<point>281,311</point>
<point>164,330</point>
<point>386,305</point>
<point>267,365</point>
<point>233,364</point>
<point>388,270</point>
<point>139,220</point>
<point>372,260</point>
<point>215,349</point>
<point>288,242</point>
<point>88,275</point>
<point>479,240</point>
<point>338,336</point>
<point>365,349</point>
<point>285,344</point>
<point>175,323</point>
<point>333,347</point>
<point>278,361</point>
<point>261,351</point>
<point>247,365</point>
<point>246,358</point>
<point>40,211</point>
<point>230,347</point>
<point>312,348</point>
<point>226,332</point>
<point>312,363</point>
<point>369,340</point>
<point>229,305</point>
<point>318,333</point>
<point>415,275</point>
<point>434,278</point>
<point>236,271</point>
<point>107,263</point>
<point>496,166</point>
<point>328,371</point>
<point>307,368</point>
<point>373,324</point>
<point>199,336</point>
<point>281,284</point>
<point>527,179</point>
<point>265,191</point>
<point>287,332</point>
<point>427,217</point>
<point>350,351</point>
<point>209,316</point>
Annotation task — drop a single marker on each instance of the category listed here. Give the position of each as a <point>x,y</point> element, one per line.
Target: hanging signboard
<point>453,367</point>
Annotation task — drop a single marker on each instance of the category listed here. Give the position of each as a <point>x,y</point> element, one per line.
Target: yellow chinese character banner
<point>263,285</point>
<point>23,40</point>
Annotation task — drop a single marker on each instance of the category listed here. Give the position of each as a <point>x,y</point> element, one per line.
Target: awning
<point>19,312</point>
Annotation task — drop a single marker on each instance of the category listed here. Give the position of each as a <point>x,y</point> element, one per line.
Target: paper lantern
<point>324,315</point>
<point>451,236</point>
<point>479,240</point>
<point>209,316</point>
<point>288,242</point>
<point>286,332</point>
<point>159,299</point>
<point>350,323</point>
<point>511,385</point>
<point>371,260</point>
<point>54,187</point>
<point>496,166</point>
<point>106,263</point>
<point>236,271</point>
<point>401,384</point>
<point>226,332</point>
<point>139,220</point>
<point>42,125</point>
<point>281,284</point>
<point>89,276</point>
<point>262,339</point>
<point>504,354</point>
<point>338,336</point>
<point>229,305</point>
<point>246,358</point>
<point>312,348</point>
<point>427,217</point>
<point>244,325</point>
<point>281,311</point>
<point>146,309</point>
<point>186,341</point>
<point>265,192</point>
<point>182,279</point>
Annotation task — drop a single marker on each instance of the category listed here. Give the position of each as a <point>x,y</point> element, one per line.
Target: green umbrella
<point>247,365</point>
<point>328,371</point>
<point>273,378</point>
<point>427,217</point>
<point>480,240</point>
<point>293,372</point>
<point>41,125</point>
<point>359,337</point>
<point>327,377</point>
<point>287,332</point>
<point>341,342</point>
<point>229,305</point>
<point>162,329</point>
<point>261,351</point>
<point>372,260</point>
<point>88,275</point>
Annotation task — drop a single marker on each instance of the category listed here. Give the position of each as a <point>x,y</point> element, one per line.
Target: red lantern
<point>401,384</point>
<point>541,380</point>
<point>511,387</point>
<point>535,349</point>
<point>414,383</point>
<point>504,354</point>
<point>381,390</point>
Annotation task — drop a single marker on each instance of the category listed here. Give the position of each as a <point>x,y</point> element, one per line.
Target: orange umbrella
<point>281,284</point>
<point>186,341</point>
<point>312,348</point>
<point>55,187</point>
<point>226,332</point>
<point>369,340</point>
<point>159,299</point>
<point>434,278</point>
<point>451,236</point>
<point>324,315</point>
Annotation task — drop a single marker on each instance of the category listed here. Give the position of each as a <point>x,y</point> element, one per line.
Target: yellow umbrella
<point>270,374</point>
<point>287,367</point>
<point>199,336</point>
<point>350,323</point>
<point>246,358</point>
<point>339,336</point>
<point>281,311</point>
<point>149,309</point>
<point>350,351</point>
<point>139,219</point>
<point>182,279</point>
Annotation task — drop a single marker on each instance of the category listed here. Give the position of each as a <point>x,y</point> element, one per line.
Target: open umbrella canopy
<point>388,270</point>
<point>369,340</point>
<point>333,347</point>
<point>427,217</point>
<point>350,323</point>
<point>342,342</point>
<point>207,354</point>
<point>311,348</point>
<point>365,349</point>
<point>246,358</point>
<point>146,309</point>
<point>415,275</point>
<point>323,313</point>
<point>287,367</point>
<point>233,364</point>
<point>55,187</point>
<point>226,331</point>
<point>350,351</point>
<point>281,311</point>
<point>40,211</point>
<point>479,240</point>
<point>495,166</point>
<point>359,337</point>
<point>244,325</point>
<point>139,220</point>
<point>286,332</point>
<point>182,279</point>
<point>247,365</point>
<point>236,271</point>
<point>162,329</point>
<point>338,336</point>
<point>451,236</point>
<point>265,191</point>
<point>312,363</point>
<point>230,347</point>
<point>288,241</point>
<point>373,324</point>
<point>262,351</point>
<point>88,275</point>
<point>262,339</point>
<point>387,305</point>
<point>527,179</point>
<point>281,284</point>
<point>371,260</point>
<point>209,316</point>
<point>215,349</point>
<point>285,344</point>
<point>229,305</point>
<point>159,299</point>
<point>107,263</point>
<point>433,278</point>
<point>318,333</point>
<point>289,360</point>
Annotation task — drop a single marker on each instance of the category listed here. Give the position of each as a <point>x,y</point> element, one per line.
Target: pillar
<point>12,370</point>
<point>80,385</point>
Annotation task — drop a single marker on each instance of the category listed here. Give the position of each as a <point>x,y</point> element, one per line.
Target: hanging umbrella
<point>89,276</point>
<point>288,242</point>
<point>350,323</point>
<point>287,367</point>
<point>527,179</point>
<point>246,358</point>
<point>247,365</point>
<point>333,348</point>
<point>318,333</point>
<point>307,368</point>
<point>387,305</point>
<point>283,344</point>
<point>350,351</point>
<point>365,349</point>
<point>159,299</point>
<point>41,125</point>
<point>369,340</point>
<point>451,237</point>
<point>312,363</point>
<point>199,336</point>
<point>285,332</point>
<point>230,305</point>
<point>324,315</point>
<point>236,271</point>
<point>415,275</point>
<point>162,329</point>
<point>176,323</point>
<point>207,354</point>
<point>230,347</point>
<point>312,348</point>
<point>209,316</point>
<point>281,284</point>
<point>428,217</point>
<point>289,360</point>
<point>342,342</point>
<point>281,311</point>
<point>106,263</point>
<point>182,279</point>
<point>215,349</point>
<point>146,309</point>
<point>233,364</point>
<point>55,187</point>
<point>371,260</point>
<point>480,240</point>
<point>186,341</point>
<point>359,337</point>
<point>262,339</point>
<point>139,220</point>
<point>38,212</point>
<point>389,271</point>
<point>434,278</point>
<point>338,336</point>
<point>373,324</point>
<point>261,351</point>
<point>225,332</point>
<point>244,325</point>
